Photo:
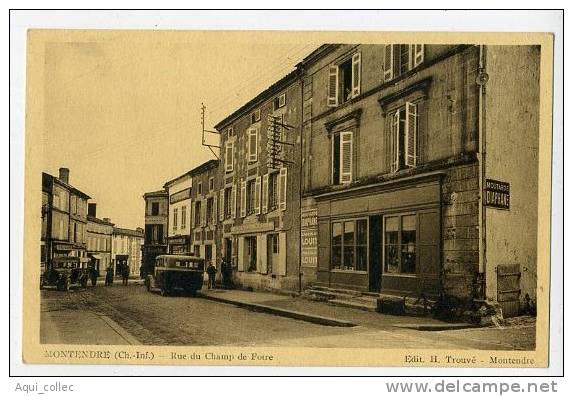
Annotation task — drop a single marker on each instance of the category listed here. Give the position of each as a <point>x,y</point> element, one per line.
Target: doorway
<point>251,243</point>
<point>375,254</point>
<point>228,249</point>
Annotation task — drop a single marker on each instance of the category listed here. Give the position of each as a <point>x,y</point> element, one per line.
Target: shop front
<point>180,245</point>
<point>382,237</point>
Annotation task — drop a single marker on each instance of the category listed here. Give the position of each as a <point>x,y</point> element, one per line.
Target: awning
<point>84,260</point>
<point>96,256</point>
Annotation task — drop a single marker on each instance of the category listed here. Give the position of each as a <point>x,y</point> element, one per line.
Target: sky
<point>123,112</point>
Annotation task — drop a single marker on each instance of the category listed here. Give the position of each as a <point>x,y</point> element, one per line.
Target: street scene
<point>363,195</point>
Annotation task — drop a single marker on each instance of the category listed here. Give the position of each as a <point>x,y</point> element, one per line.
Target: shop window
<point>344,81</point>
<point>404,137</point>
<point>400,244</point>
<point>342,157</point>
<point>155,208</point>
<point>401,58</point>
<point>350,245</point>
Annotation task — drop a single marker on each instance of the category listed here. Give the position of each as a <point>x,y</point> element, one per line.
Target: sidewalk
<point>320,312</point>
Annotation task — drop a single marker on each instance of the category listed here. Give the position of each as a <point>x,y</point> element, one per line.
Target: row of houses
<point>378,168</point>
<point>70,227</point>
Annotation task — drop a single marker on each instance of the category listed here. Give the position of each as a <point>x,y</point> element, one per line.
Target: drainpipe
<point>481,176</point>
<point>300,179</point>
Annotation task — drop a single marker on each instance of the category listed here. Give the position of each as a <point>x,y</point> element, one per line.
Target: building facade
<point>156,221</point>
<point>126,250</point>
<point>179,225</point>
<point>98,240</point>
<point>260,187</point>
<point>204,220</point>
<point>64,218</point>
<point>394,168</point>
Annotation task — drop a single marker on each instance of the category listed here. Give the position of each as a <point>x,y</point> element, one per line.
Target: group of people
<point>94,273</point>
<point>226,274</point>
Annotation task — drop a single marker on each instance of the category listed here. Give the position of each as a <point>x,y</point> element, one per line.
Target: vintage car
<point>65,273</point>
<point>176,273</point>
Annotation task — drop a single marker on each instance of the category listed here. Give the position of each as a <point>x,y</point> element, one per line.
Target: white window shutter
<point>346,157</point>
<point>395,142</point>
<point>333,86</point>
<point>262,253</point>
<point>229,156</point>
<point>233,202</point>
<point>283,188</point>
<point>265,193</point>
<point>243,198</point>
<point>222,205</point>
<point>388,62</point>
<point>356,70</point>
<point>258,195</point>
<point>418,54</point>
<point>253,144</point>
<point>410,136</point>
<point>241,256</point>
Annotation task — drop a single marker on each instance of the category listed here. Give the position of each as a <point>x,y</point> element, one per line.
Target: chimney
<point>92,209</point>
<point>65,175</point>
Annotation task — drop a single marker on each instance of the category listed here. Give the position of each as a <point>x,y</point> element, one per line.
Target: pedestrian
<point>93,275</point>
<point>109,276</point>
<point>211,272</point>
<point>125,274</point>
<point>226,273</point>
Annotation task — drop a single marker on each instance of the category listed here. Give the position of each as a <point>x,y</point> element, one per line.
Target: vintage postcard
<point>287,198</point>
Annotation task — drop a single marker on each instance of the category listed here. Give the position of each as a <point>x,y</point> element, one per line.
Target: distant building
<point>64,218</point>
<point>98,240</point>
<point>156,220</point>
<point>126,250</point>
<point>179,220</point>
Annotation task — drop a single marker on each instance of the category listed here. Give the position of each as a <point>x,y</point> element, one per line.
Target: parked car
<point>174,273</point>
<point>65,273</point>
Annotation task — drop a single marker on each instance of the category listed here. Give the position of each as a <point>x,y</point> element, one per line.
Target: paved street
<point>130,315</point>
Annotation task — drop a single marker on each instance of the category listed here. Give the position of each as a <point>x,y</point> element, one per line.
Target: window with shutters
<point>227,202</point>
<point>253,145</point>
<point>349,243</point>
<point>175,219</point>
<point>229,156</point>
<point>279,101</point>
<point>210,213</point>
<point>183,217</point>
<point>273,191</point>
<point>404,137</point>
<point>251,196</point>
<point>344,80</point>
<point>401,58</point>
<point>283,191</point>
<point>197,214</point>
<point>342,157</point>
<point>256,116</point>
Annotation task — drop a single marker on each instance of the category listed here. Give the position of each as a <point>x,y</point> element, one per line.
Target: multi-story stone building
<point>126,250</point>
<point>395,168</point>
<point>98,240</point>
<point>179,230</point>
<point>156,221</point>
<point>64,218</point>
<point>260,192</point>
<point>205,212</point>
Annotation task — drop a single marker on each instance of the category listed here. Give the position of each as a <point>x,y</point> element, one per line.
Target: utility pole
<point>204,131</point>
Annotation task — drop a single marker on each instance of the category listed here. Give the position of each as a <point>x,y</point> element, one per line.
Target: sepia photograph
<point>287,198</point>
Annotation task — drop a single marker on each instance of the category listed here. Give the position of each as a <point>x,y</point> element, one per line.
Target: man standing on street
<point>211,272</point>
<point>125,274</point>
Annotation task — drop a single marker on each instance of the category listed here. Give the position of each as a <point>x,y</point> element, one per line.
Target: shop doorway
<point>251,243</point>
<point>375,254</point>
<point>208,254</point>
